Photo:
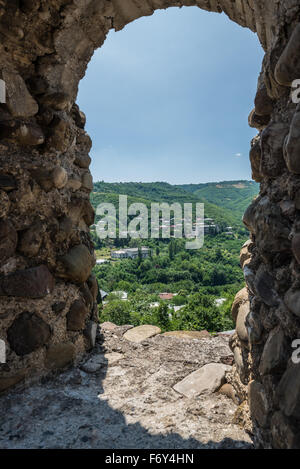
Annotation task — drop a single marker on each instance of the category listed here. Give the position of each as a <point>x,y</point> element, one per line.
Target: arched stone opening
<point>48,295</point>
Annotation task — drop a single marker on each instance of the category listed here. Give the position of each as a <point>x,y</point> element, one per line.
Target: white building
<point>102,261</point>
<point>122,295</point>
<point>130,253</point>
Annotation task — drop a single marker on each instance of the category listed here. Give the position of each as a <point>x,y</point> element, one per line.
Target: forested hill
<point>231,195</point>
<point>225,202</point>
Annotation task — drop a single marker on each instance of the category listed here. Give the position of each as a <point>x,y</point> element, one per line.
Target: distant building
<point>166,296</point>
<point>154,305</point>
<point>130,253</point>
<point>102,261</point>
<point>178,308</point>
<point>220,301</point>
<point>229,234</point>
<point>122,295</point>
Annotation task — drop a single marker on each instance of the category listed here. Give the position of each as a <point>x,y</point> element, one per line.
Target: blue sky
<point>168,98</point>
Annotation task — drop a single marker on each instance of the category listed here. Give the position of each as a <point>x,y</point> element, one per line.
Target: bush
<point>116,311</point>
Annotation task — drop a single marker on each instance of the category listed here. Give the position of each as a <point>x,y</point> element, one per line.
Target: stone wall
<point>48,309</point>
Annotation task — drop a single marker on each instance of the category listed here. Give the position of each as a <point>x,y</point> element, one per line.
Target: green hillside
<point>234,196</point>
<point>204,281</point>
<point>224,202</point>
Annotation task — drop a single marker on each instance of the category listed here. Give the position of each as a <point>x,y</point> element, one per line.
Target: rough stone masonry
<point>48,295</point>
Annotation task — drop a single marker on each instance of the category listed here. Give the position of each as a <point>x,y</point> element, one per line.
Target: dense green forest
<point>203,281</point>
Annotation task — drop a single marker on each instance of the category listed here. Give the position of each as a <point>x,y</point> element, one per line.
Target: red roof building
<point>166,296</point>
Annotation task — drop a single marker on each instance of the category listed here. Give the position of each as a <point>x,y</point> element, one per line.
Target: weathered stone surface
<point>60,135</point>
<point>60,177</point>
<point>245,255</point>
<point>88,212</point>
<point>258,403</point>
<point>284,436</point>
<point>264,286</point>
<point>272,140</point>
<point>249,278</point>
<point>207,379</point>
<point>288,66</point>
<point>83,142</point>
<point>274,356</point>
<point>48,179</point>
<point>249,217</point>
<point>108,326</point>
<point>19,101</point>
<point>92,283</point>
<point>255,159</point>
<point>76,316</point>
<point>60,355</point>
<point>4,204</point>
<point>10,381</point>
<point>7,182</point>
<point>78,264</point>
<point>74,184</point>
<point>98,362</point>
<point>78,116</point>
<point>239,362</point>
<point>241,297</point>
<point>229,391</point>
<point>90,333</point>
<point>65,229</point>
<point>8,240</point>
<point>254,327</point>
<point>140,333</point>
<point>86,295</point>
<point>82,160</point>
<point>257,121</point>
<point>31,240</point>
<point>28,333</point>
<point>188,335</point>
<point>43,177</point>
<point>58,101</point>
<point>263,103</point>
<point>296,246</point>
<point>287,208</point>
<point>292,300</point>
<point>58,307</point>
<point>87,181</point>
<point>292,146</point>
<point>29,134</point>
<point>241,328</point>
<point>36,282</point>
<point>288,392</point>
<point>297,200</point>
<point>133,393</point>
<point>94,364</point>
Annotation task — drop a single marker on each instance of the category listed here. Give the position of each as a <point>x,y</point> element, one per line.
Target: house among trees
<point>166,296</point>
<point>122,295</point>
<point>130,253</point>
